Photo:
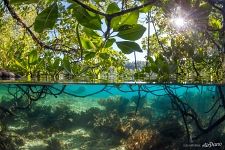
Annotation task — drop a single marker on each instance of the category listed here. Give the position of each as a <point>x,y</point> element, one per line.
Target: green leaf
<point>112,8</point>
<point>87,44</point>
<point>90,32</point>
<point>97,1</point>
<point>115,22</point>
<point>198,58</point>
<point>20,65</point>
<point>215,23</point>
<point>154,68</point>
<point>23,1</point>
<point>128,47</point>
<point>189,49</point>
<point>56,62</point>
<point>127,19</point>
<point>47,18</point>
<point>85,19</point>
<point>131,32</point>
<point>89,55</point>
<point>130,18</point>
<point>90,12</point>
<point>150,59</point>
<point>109,42</point>
<point>147,69</point>
<point>70,1</point>
<point>173,68</point>
<point>173,44</point>
<point>164,68</point>
<point>104,55</point>
<point>146,9</point>
<point>66,64</point>
<point>33,57</point>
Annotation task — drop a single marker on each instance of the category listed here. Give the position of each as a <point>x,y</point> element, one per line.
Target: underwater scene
<point>102,116</point>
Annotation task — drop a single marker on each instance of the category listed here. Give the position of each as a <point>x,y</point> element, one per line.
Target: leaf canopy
<point>131,32</point>
<point>87,19</point>
<point>128,47</point>
<point>47,18</point>
<point>23,1</point>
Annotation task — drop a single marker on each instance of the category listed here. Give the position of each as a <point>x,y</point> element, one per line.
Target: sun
<point>179,18</point>
<point>179,22</point>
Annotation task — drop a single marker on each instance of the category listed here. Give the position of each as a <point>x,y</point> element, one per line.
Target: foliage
<point>78,38</point>
<point>170,135</point>
<point>139,101</point>
<point>161,106</point>
<point>188,52</point>
<point>52,119</point>
<point>119,104</point>
<point>140,140</point>
<point>6,142</point>
<point>55,144</point>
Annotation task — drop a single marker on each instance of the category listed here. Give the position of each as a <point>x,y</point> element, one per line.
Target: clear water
<point>130,116</point>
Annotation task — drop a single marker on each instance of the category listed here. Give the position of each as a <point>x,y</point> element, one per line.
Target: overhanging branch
<point>150,2</point>
<point>30,32</point>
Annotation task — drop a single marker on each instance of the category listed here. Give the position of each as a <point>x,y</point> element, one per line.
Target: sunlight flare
<point>179,22</point>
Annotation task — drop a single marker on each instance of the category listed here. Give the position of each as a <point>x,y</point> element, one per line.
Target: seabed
<point>127,116</point>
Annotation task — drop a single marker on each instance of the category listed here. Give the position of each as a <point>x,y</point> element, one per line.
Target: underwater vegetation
<point>58,118</point>
<point>139,101</point>
<point>161,105</point>
<point>115,103</point>
<point>137,123</point>
<point>140,139</point>
<point>121,104</point>
<point>55,144</point>
<point>10,141</point>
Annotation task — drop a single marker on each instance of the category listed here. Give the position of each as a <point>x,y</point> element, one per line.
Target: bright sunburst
<point>179,22</point>
<point>179,19</point>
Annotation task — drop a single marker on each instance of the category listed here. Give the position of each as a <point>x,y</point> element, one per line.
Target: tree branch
<point>33,36</point>
<point>150,2</point>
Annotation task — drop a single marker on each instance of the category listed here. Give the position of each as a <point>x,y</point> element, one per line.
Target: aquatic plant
<point>139,101</point>
<point>117,103</point>
<point>161,106</point>
<point>6,143</point>
<point>55,144</point>
<point>128,125</point>
<point>171,128</point>
<point>57,118</point>
<point>10,142</point>
<point>170,134</point>
<point>23,96</point>
<point>140,140</point>
<point>146,112</point>
<point>123,126</point>
<point>89,118</point>
<point>169,131</point>
<point>199,101</point>
<point>106,120</point>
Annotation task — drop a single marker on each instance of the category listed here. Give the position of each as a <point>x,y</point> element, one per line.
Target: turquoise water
<point>111,116</point>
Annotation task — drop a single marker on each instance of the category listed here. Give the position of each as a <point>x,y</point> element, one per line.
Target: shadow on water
<point>130,116</point>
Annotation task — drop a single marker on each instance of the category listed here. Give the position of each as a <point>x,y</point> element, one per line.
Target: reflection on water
<point>110,116</point>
